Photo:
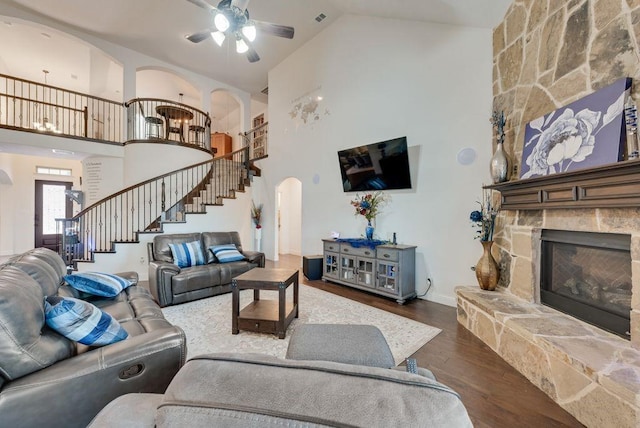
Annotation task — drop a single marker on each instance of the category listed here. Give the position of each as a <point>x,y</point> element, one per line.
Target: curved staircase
<point>147,206</point>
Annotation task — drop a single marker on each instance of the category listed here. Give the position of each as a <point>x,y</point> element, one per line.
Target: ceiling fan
<point>231,20</point>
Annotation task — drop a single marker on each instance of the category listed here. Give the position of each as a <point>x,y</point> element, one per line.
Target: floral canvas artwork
<point>586,133</point>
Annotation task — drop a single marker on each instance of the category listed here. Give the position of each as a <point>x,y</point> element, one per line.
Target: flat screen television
<point>378,166</point>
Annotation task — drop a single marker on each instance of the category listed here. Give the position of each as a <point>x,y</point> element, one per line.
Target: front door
<point>51,203</point>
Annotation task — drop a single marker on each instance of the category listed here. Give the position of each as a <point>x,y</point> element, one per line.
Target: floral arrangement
<point>369,204</point>
<point>256,214</point>
<point>484,219</point>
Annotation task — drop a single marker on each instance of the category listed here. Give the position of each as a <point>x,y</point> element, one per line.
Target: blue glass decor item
<point>369,231</point>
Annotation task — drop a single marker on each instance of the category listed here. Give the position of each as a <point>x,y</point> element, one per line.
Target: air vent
<point>265,91</point>
<point>320,17</point>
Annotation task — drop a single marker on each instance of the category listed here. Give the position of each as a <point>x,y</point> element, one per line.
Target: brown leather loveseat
<point>172,285</point>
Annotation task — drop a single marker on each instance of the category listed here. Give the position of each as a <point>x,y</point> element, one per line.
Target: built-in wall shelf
<point>609,186</point>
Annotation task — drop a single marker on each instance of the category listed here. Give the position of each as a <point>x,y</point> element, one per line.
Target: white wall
<point>382,79</point>
<point>101,177</point>
<point>166,158</point>
<point>17,200</point>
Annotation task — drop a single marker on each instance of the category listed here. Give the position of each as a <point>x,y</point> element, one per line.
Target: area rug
<point>207,323</point>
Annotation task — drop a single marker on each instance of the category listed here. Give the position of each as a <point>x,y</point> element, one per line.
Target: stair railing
<point>143,207</point>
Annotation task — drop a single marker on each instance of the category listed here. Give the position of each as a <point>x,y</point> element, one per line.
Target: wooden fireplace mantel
<point>611,186</point>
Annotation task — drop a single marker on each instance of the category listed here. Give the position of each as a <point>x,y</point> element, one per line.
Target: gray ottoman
<point>342,343</point>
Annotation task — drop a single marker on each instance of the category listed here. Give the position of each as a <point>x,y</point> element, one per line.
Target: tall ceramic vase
<point>258,236</point>
<point>487,269</point>
<point>499,165</point>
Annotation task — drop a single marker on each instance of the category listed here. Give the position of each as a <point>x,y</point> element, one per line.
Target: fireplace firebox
<point>588,275</point>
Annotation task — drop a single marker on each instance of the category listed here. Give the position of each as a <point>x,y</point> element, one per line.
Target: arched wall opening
<point>153,82</point>
<point>73,64</point>
<point>289,217</point>
<point>227,112</point>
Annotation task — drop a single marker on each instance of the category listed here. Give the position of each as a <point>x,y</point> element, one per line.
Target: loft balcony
<point>49,110</point>
<point>164,121</point>
<point>35,107</point>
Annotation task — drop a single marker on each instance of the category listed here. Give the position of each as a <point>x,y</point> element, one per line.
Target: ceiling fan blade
<point>203,4</point>
<point>274,29</point>
<point>240,4</point>
<point>252,55</point>
<point>199,36</point>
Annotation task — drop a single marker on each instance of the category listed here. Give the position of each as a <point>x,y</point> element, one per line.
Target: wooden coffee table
<point>264,316</point>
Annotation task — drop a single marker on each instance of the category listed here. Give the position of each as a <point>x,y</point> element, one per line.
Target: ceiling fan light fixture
<point>218,37</point>
<point>241,46</point>
<point>221,22</point>
<point>249,32</point>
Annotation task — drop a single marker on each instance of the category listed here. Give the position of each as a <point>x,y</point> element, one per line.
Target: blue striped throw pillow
<point>226,253</point>
<point>82,322</point>
<point>187,254</point>
<point>98,284</point>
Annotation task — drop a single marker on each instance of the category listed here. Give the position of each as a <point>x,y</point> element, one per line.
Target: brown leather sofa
<point>172,285</point>
<point>49,380</point>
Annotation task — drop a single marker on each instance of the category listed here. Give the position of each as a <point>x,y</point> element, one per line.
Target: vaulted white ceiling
<point>158,27</point>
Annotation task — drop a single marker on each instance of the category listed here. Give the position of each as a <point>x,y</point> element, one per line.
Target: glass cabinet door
<point>388,277</point>
<point>347,268</point>
<point>366,274</point>
<point>331,265</point>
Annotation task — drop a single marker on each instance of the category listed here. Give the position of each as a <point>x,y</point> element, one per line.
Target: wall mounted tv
<point>378,166</point>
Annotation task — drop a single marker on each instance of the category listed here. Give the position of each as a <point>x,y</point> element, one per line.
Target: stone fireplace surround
<point>591,373</point>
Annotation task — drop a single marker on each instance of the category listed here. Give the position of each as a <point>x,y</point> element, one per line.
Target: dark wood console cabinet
<point>610,186</point>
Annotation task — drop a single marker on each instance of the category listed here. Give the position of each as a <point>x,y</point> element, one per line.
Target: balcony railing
<point>256,139</point>
<point>37,107</point>
<point>152,119</point>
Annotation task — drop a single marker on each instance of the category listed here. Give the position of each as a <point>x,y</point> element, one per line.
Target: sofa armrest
<point>255,257</point>
<point>160,274</point>
<point>143,363</point>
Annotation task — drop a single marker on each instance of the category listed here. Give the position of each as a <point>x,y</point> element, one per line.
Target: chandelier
<point>45,110</point>
<point>234,23</point>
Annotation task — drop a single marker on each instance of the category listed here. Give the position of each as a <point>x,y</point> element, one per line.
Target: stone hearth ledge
<point>593,374</point>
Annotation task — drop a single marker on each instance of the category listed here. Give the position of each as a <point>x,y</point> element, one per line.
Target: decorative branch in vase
<point>499,165</point>
<point>256,214</point>
<point>484,220</point>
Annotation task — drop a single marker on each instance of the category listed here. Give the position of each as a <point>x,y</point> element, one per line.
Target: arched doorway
<point>289,217</point>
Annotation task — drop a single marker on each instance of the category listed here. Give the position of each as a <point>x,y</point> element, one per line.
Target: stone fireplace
<point>547,54</point>
<point>590,372</point>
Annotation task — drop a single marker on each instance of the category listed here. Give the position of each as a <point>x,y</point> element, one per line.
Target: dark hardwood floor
<point>494,393</point>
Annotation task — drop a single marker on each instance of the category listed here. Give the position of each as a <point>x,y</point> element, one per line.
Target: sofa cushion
<point>27,345</point>
<point>226,253</point>
<point>98,284</point>
<point>187,254</point>
<point>82,322</point>
<point>219,238</point>
<point>161,250</point>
